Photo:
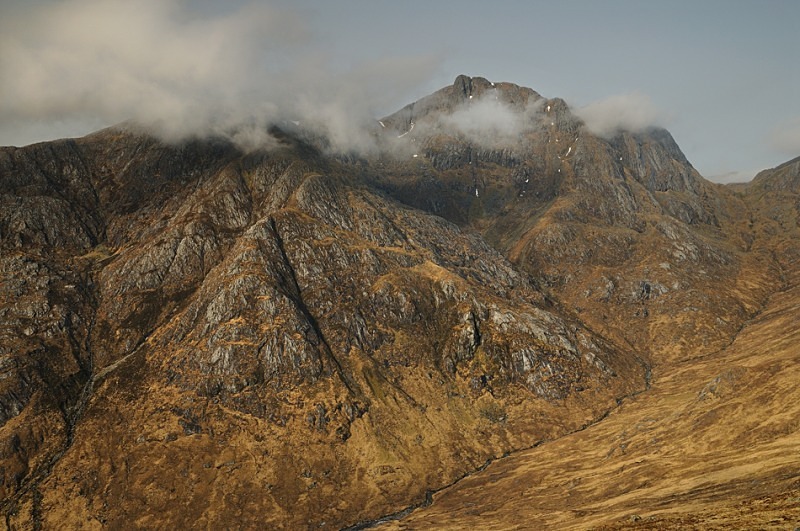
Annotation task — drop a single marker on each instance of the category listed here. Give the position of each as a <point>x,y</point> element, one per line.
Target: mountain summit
<point>192,336</point>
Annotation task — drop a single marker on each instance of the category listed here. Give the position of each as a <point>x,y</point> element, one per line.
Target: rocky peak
<point>503,147</point>
<point>479,87</point>
<point>462,92</point>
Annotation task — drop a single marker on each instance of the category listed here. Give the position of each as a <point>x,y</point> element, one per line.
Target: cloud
<point>785,138</point>
<point>185,72</point>
<point>488,121</point>
<point>626,112</point>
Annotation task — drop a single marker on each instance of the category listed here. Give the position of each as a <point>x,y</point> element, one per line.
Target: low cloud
<point>626,112</point>
<point>785,138</point>
<point>488,121</point>
<point>186,73</point>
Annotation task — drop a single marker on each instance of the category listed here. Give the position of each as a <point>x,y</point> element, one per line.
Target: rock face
<point>307,340</point>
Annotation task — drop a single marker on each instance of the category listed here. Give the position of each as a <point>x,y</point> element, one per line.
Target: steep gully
<point>72,415</point>
<point>298,300</point>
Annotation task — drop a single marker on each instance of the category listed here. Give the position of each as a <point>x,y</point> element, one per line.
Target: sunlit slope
<point>713,444</point>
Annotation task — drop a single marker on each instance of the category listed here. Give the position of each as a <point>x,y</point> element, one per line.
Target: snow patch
<point>409,130</point>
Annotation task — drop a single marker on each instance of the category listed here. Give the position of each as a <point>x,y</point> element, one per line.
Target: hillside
<point>196,336</point>
<point>712,445</point>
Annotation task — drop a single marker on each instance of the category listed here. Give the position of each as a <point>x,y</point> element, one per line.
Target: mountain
<point>196,336</point>
<point>711,444</point>
<point>785,177</point>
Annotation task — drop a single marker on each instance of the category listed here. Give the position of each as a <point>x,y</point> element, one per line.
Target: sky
<point>721,75</point>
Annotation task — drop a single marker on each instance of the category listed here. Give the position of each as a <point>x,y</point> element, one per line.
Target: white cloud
<point>625,112</point>
<point>488,121</point>
<point>161,63</point>
<point>786,138</point>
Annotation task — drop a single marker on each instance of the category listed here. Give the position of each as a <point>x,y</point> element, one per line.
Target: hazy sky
<point>721,75</point>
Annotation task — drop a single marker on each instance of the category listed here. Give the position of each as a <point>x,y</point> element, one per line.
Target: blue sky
<point>722,76</point>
